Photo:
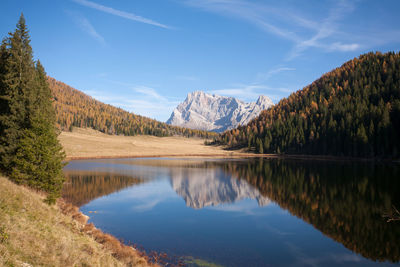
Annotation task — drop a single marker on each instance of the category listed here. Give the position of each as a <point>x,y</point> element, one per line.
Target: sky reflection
<point>214,211</point>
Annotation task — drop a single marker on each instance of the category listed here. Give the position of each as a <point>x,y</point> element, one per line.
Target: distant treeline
<point>353,110</point>
<point>76,109</point>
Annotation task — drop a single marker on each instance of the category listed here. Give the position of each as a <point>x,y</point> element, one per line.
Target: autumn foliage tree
<point>353,110</point>
<point>76,109</point>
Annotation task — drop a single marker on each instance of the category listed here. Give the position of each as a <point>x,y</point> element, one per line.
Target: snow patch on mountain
<point>216,113</point>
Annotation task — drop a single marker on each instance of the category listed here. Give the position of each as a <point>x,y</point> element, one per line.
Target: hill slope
<point>76,109</point>
<point>353,110</point>
<point>203,111</point>
<point>33,233</point>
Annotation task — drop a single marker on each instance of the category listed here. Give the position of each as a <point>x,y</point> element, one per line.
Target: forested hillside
<point>353,110</point>
<point>74,108</point>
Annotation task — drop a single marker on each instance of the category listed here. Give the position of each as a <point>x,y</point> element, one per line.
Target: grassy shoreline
<point>84,143</point>
<point>243,156</point>
<point>33,233</point>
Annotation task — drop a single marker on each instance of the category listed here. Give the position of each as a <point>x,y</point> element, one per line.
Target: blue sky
<point>146,55</point>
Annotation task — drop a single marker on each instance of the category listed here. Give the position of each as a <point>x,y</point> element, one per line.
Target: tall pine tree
<point>29,150</point>
<point>16,78</point>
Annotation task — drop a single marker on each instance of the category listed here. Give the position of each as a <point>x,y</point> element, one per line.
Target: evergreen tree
<point>260,146</point>
<point>353,110</point>
<point>16,79</point>
<point>29,151</point>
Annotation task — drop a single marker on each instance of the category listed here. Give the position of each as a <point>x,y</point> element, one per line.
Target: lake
<point>247,212</point>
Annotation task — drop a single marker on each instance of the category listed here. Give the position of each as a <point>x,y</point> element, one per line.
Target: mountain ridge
<point>76,109</point>
<point>211,112</point>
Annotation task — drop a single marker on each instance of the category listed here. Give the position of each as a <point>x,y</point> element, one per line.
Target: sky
<point>145,56</point>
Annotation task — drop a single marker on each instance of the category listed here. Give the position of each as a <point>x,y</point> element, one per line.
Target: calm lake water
<point>254,212</point>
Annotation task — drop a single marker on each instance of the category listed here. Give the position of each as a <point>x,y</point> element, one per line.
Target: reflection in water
<point>201,187</point>
<point>81,187</point>
<point>344,201</point>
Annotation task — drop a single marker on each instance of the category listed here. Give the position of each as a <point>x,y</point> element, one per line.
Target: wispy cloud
<point>327,28</point>
<point>120,13</point>
<point>159,110</point>
<point>303,32</point>
<point>344,47</point>
<point>86,26</point>
<point>249,11</point>
<point>247,92</point>
<point>151,108</point>
<point>250,92</point>
<point>139,99</point>
<point>148,91</point>
<point>270,73</point>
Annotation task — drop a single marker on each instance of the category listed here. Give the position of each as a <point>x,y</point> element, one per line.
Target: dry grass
<point>33,233</point>
<point>84,143</point>
<point>88,143</point>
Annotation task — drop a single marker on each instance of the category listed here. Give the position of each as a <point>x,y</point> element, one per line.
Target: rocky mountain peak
<point>204,111</point>
<point>195,95</point>
<point>264,101</point>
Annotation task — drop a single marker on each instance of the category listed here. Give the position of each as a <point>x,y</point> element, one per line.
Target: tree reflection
<point>345,201</point>
<point>81,187</point>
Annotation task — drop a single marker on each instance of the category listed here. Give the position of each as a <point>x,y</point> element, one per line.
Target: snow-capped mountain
<point>216,113</point>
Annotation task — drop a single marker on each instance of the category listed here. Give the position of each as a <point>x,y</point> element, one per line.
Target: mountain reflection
<point>345,201</point>
<point>202,187</point>
<point>81,187</point>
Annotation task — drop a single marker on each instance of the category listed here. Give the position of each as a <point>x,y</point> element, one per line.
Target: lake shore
<point>85,143</point>
<point>33,233</point>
